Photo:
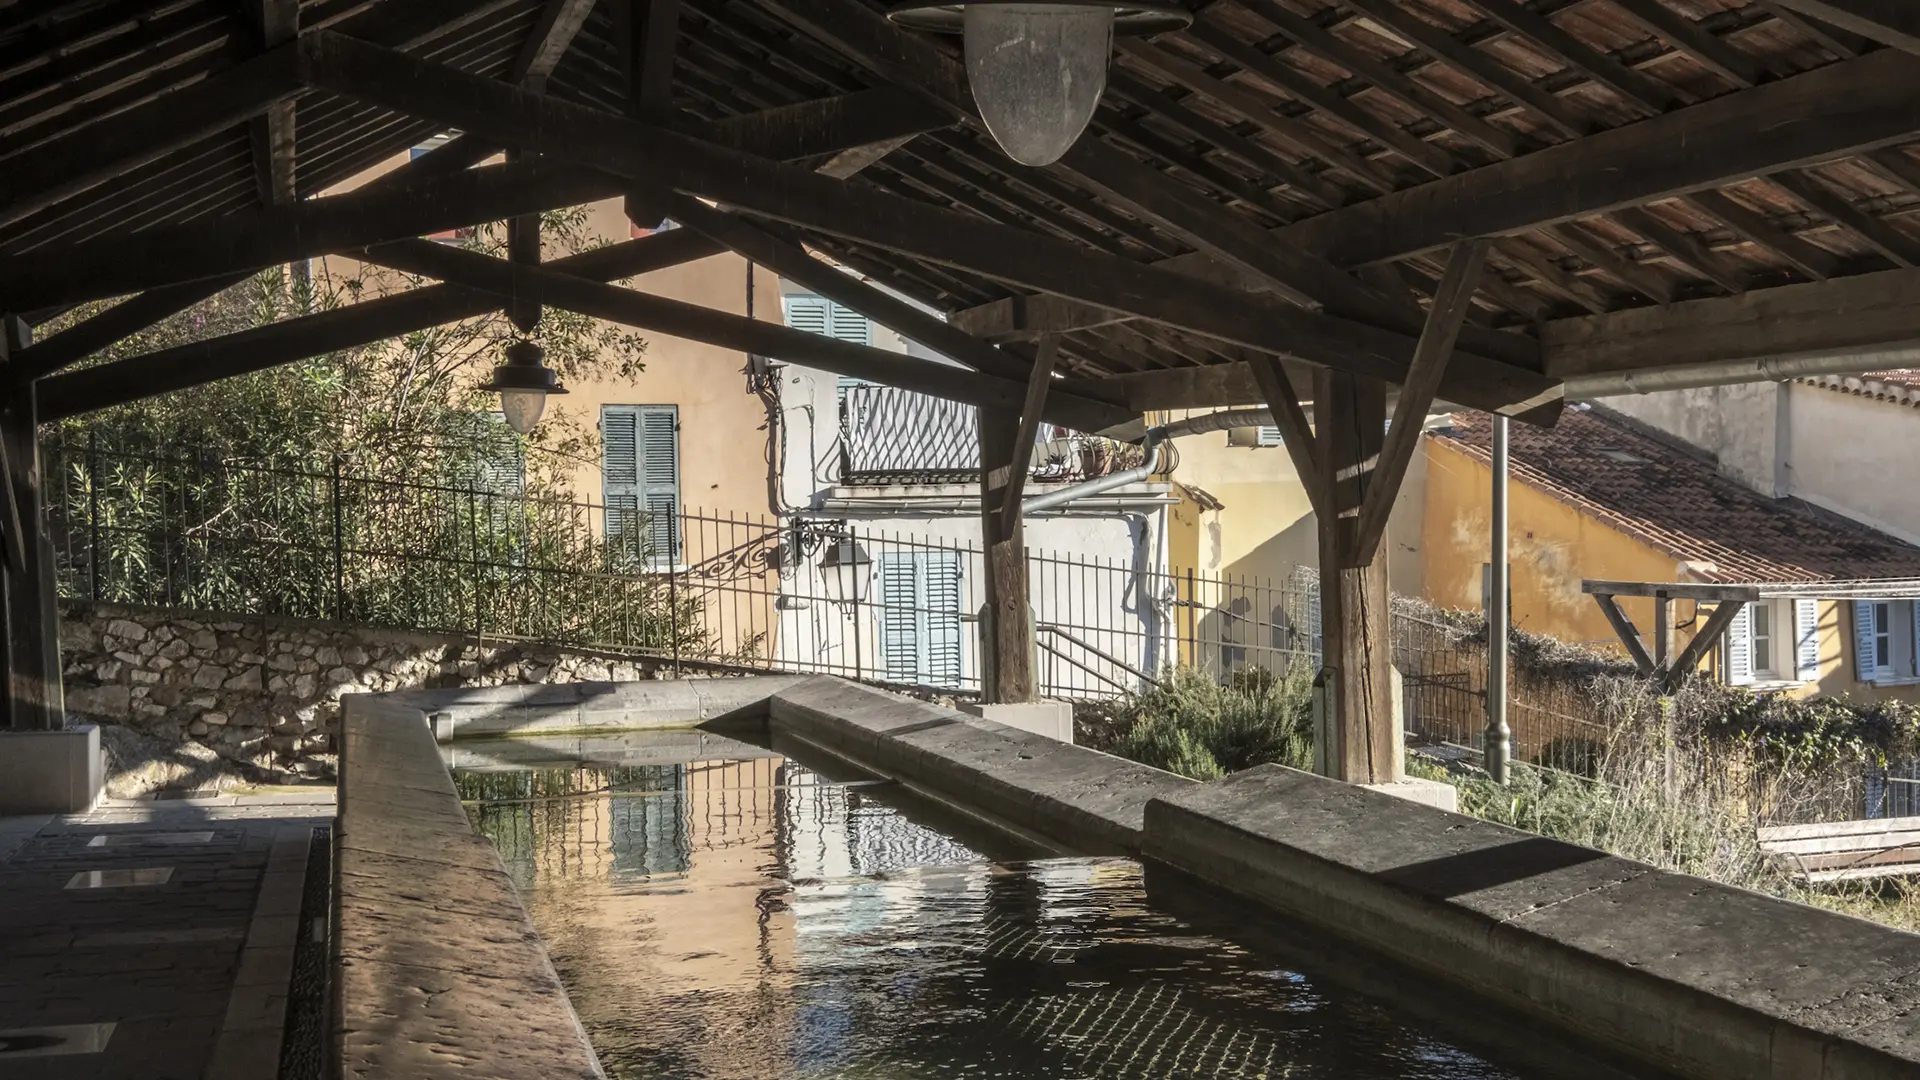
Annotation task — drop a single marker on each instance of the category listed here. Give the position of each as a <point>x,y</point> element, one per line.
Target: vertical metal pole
<point>673,613</point>
<point>93,515</point>
<point>859,662</point>
<point>1499,739</point>
<point>339,547</point>
<point>1193,623</point>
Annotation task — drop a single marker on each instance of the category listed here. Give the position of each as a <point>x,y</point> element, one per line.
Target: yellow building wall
<point>1554,547</point>
<point>724,459</point>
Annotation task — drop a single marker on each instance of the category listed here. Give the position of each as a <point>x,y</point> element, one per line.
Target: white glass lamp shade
<point>844,571</point>
<point>522,408</point>
<point>1037,72</point>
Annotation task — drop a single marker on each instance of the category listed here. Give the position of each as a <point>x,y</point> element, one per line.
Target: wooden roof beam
<point>1890,22</point>
<point>560,22</point>
<point>911,61</point>
<point>649,155</point>
<point>759,337</point>
<point>271,134</point>
<point>87,156</point>
<point>1830,112</point>
<point>438,192</point>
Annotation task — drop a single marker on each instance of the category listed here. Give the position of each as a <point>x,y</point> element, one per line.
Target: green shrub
<point>1195,726</point>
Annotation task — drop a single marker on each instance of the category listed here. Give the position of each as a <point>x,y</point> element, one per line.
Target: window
<point>920,617</point>
<point>1763,640</point>
<point>1884,632</point>
<point>819,315</point>
<point>1774,641</point>
<point>1263,435</point>
<point>640,477</point>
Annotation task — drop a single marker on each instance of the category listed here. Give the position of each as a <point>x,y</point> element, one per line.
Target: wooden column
<point>1355,624</point>
<point>32,653</point>
<point>1351,468</point>
<point>1006,659</point>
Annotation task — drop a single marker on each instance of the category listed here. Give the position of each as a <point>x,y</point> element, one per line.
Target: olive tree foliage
<point>374,484</point>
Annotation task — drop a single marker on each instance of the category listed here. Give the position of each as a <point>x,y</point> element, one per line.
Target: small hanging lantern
<point>1038,70</point>
<point>524,383</point>
<point>845,569</point>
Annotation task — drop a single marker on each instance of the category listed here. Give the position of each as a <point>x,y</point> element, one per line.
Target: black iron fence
<point>463,549</point>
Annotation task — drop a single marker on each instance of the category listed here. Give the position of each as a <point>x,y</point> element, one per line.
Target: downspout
<point>1159,459</point>
<point>1159,456</point>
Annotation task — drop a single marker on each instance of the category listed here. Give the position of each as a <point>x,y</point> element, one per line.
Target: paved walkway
<point>152,940</point>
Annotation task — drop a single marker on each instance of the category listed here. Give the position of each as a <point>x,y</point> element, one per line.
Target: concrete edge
<point>438,970</point>
<point>570,708</point>
<point>1686,975</point>
<point>1080,800</point>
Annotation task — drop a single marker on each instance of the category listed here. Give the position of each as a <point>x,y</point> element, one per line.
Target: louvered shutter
<point>1866,658</point>
<point>848,325</point>
<point>1740,648</point>
<point>899,616</point>
<point>1915,669</point>
<point>620,473</point>
<point>1806,637</point>
<point>1267,435</point>
<point>660,482</point>
<point>940,577</point>
<point>499,465</point>
<point>807,313</point>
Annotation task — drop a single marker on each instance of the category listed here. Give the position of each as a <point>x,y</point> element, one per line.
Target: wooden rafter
<point>1451,302</point>
<point>1892,22</point>
<point>651,155</point>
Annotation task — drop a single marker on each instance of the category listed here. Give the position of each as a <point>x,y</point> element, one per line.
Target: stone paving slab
<point>160,962</point>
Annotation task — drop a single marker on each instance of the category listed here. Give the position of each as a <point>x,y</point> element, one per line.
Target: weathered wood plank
<point>1891,22</point>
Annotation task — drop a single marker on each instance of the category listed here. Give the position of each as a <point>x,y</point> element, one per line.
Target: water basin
<point>723,910</point>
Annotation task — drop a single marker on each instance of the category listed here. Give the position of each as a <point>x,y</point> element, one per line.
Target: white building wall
<point>1098,570</point>
<point>1848,454</point>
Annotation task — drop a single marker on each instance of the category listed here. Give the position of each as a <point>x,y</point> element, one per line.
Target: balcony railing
<point>894,436</point>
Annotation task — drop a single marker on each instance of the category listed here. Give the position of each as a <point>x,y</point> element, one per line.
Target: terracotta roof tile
<point>1900,386</point>
<point>1680,504</point>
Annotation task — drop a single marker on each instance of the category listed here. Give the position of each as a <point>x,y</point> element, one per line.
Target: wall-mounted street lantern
<point>845,569</point>
<point>1038,70</point>
<point>524,383</point>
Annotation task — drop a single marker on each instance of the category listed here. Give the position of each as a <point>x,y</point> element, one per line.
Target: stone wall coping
<point>1083,800</point>
<point>439,972</point>
<point>1685,974</point>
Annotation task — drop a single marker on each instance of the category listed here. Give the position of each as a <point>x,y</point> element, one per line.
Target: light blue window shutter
<point>1915,669</point>
<point>500,463</point>
<point>941,586</point>
<point>1740,648</point>
<point>1806,636</point>
<point>848,325</point>
<point>899,616</point>
<point>660,482</point>
<point>807,313</point>
<point>1267,435</point>
<point>1865,657</point>
<point>620,472</point>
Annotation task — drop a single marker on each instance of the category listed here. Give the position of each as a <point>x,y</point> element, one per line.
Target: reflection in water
<point>749,919</point>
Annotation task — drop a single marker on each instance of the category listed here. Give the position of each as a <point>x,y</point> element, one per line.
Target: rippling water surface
<point>747,919</point>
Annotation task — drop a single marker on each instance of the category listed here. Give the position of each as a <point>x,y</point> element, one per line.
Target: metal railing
<point>325,541</point>
<point>890,435</point>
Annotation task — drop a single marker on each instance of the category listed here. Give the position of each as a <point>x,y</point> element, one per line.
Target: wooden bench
<point>1848,850</point>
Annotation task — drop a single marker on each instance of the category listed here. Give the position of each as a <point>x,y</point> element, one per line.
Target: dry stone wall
<point>266,691</point>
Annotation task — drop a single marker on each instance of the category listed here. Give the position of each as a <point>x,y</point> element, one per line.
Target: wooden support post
<point>1351,414</point>
<point>1006,662</point>
<point>1030,416</point>
<point>32,653</point>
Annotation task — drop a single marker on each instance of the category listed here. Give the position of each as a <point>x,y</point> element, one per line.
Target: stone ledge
<point>1702,979</point>
<point>1081,799</point>
<point>440,973</point>
<point>548,708</point>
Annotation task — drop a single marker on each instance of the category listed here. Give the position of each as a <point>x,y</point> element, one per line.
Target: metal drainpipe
<point>1499,737</point>
<point>1157,461</point>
